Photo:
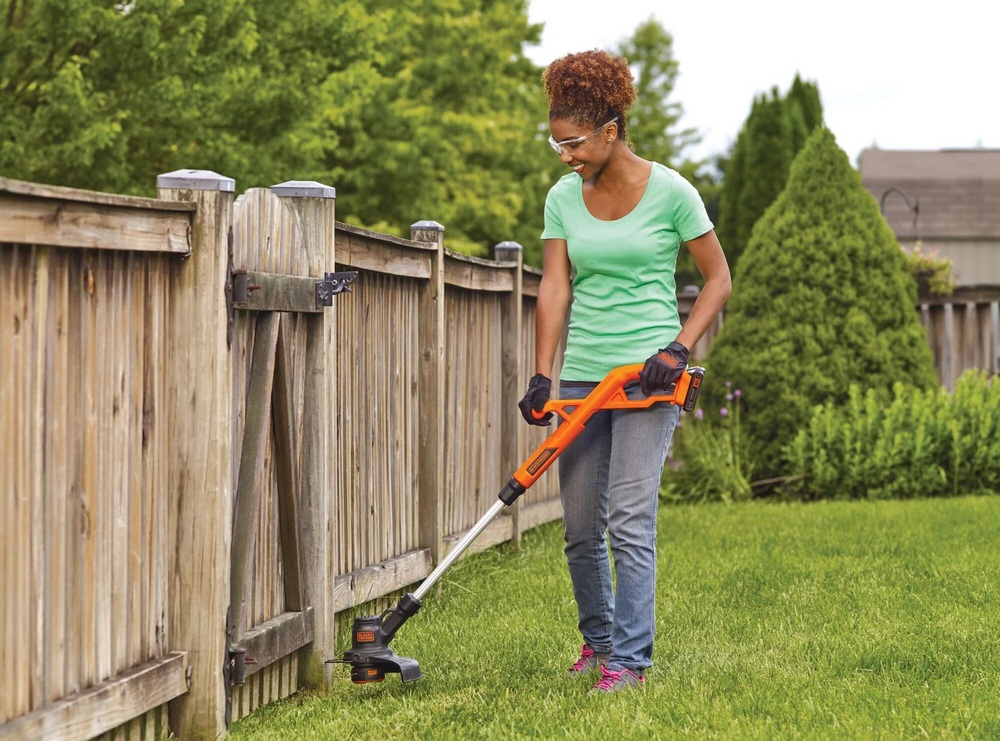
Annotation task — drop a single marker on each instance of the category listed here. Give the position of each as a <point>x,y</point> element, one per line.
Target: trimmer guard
<point>374,667</point>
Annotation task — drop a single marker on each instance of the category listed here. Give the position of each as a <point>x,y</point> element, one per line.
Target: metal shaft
<point>460,548</point>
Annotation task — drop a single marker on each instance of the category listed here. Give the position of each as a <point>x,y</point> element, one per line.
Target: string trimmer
<point>370,656</point>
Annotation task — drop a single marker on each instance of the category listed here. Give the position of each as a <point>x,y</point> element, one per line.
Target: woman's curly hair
<point>589,88</point>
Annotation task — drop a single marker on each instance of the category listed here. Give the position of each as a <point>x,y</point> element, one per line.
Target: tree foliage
<point>821,300</point>
<point>454,127</point>
<point>654,118</point>
<point>102,95</point>
<point>426,109</point>
<point>758,167</point>
<point>654,121</point>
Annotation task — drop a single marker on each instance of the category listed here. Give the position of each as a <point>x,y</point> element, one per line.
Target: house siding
<point>948,201</point>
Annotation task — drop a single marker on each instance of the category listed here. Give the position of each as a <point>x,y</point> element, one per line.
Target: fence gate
<point>281,297</point>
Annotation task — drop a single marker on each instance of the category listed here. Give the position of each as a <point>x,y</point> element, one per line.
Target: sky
<point>892,74</point>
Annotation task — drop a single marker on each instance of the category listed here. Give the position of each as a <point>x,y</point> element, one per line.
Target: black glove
<point>663,369</point>
<point>539,389</point>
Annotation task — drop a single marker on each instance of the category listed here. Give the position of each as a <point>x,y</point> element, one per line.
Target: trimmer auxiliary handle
<point>370,656</point>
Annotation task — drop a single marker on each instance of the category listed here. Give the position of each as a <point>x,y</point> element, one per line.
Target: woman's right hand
<point>539,390</point>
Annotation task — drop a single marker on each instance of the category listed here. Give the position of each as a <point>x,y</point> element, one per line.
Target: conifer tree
<point>821,299</point>
<point>768,155</point>
<point>804,109</point>
<point>772,135</point>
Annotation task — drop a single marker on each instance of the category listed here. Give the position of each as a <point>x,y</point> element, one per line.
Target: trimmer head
<point>370,656</point>
<point>371,659</point>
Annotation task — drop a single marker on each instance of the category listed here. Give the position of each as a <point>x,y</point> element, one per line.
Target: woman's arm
<point>711,262</point>
<point>553,299</point>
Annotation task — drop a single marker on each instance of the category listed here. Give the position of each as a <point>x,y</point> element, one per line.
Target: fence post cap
<point>303,189</point>
<point>507,251</point>
<point>196,180</point>
<point>428,226</point>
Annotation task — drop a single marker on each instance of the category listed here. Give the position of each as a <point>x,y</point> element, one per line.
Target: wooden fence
<point>963,331</point>
<point>206,452</point>
<point>85,292</point>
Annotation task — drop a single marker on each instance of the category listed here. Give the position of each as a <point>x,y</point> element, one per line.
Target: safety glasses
<point>571,146</point>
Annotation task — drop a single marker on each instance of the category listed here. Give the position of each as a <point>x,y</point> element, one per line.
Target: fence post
<point>994,337</point>
<point>511,426</point>
<point>200,434</point>
<point>948,348</point>
<point>314,205</point>
<point>430,401</point>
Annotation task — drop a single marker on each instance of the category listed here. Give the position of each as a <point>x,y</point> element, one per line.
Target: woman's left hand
<point>663,369</point>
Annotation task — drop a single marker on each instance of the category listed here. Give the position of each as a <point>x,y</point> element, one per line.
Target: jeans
<point>609,481</point>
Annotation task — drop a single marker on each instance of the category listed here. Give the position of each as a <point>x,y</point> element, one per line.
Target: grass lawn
<point>840,620</point>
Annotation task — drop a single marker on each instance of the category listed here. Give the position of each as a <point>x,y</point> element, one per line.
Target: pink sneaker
<point>589,661</point>
<point>612,681</point>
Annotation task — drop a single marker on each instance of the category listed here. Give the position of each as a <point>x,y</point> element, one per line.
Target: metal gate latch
<point>332,284</point>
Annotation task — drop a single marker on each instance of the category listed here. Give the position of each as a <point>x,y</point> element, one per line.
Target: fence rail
<point>189,476</point>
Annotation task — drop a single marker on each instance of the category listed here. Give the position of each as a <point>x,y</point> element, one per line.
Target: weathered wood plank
<point>16,397</point>
<point>979,294</point>
<point>431,391</point>
<point>531,279</point>
<point>467,272</point>
<point>274,292</point>
<point>251,478</point>
<point>391,240</point>
<point>948,353</point>
<point>318,538</point>
<point>134,494</point>
<point>57,192</point>
<point>35,494</point>
<point>61,223</point>
<point>511,383</point>
<point>283,429</point>
<point>59,465</point>
<point>271,641</point>
<point>995,337</point>
<point>105,706</point>
<point>90,485</point>
<point>363,250</point>
<point>9,325</point>
<point>121,494</point>
<point>376,581</point>
<point>199,423</point>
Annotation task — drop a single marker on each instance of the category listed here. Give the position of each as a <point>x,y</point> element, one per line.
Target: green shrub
<point>919,443</point>
<point>821,300</point>
<point>708,460</point>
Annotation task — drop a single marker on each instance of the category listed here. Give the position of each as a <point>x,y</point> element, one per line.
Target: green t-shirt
<point>624,297</point>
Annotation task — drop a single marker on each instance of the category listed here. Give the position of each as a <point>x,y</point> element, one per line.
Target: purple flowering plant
<point>707,460</point>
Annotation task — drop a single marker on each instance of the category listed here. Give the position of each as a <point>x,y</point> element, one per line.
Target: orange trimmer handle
<point>608,394</point>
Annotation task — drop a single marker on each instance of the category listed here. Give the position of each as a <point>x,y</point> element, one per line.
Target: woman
<point>613,227</point>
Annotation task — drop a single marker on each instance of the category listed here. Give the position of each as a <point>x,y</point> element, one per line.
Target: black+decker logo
<point>540,459</point>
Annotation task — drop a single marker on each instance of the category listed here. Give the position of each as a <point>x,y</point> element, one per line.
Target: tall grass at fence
<point>830,620</point>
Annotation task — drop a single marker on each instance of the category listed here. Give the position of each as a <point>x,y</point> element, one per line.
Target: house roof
<point>942,194</point>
